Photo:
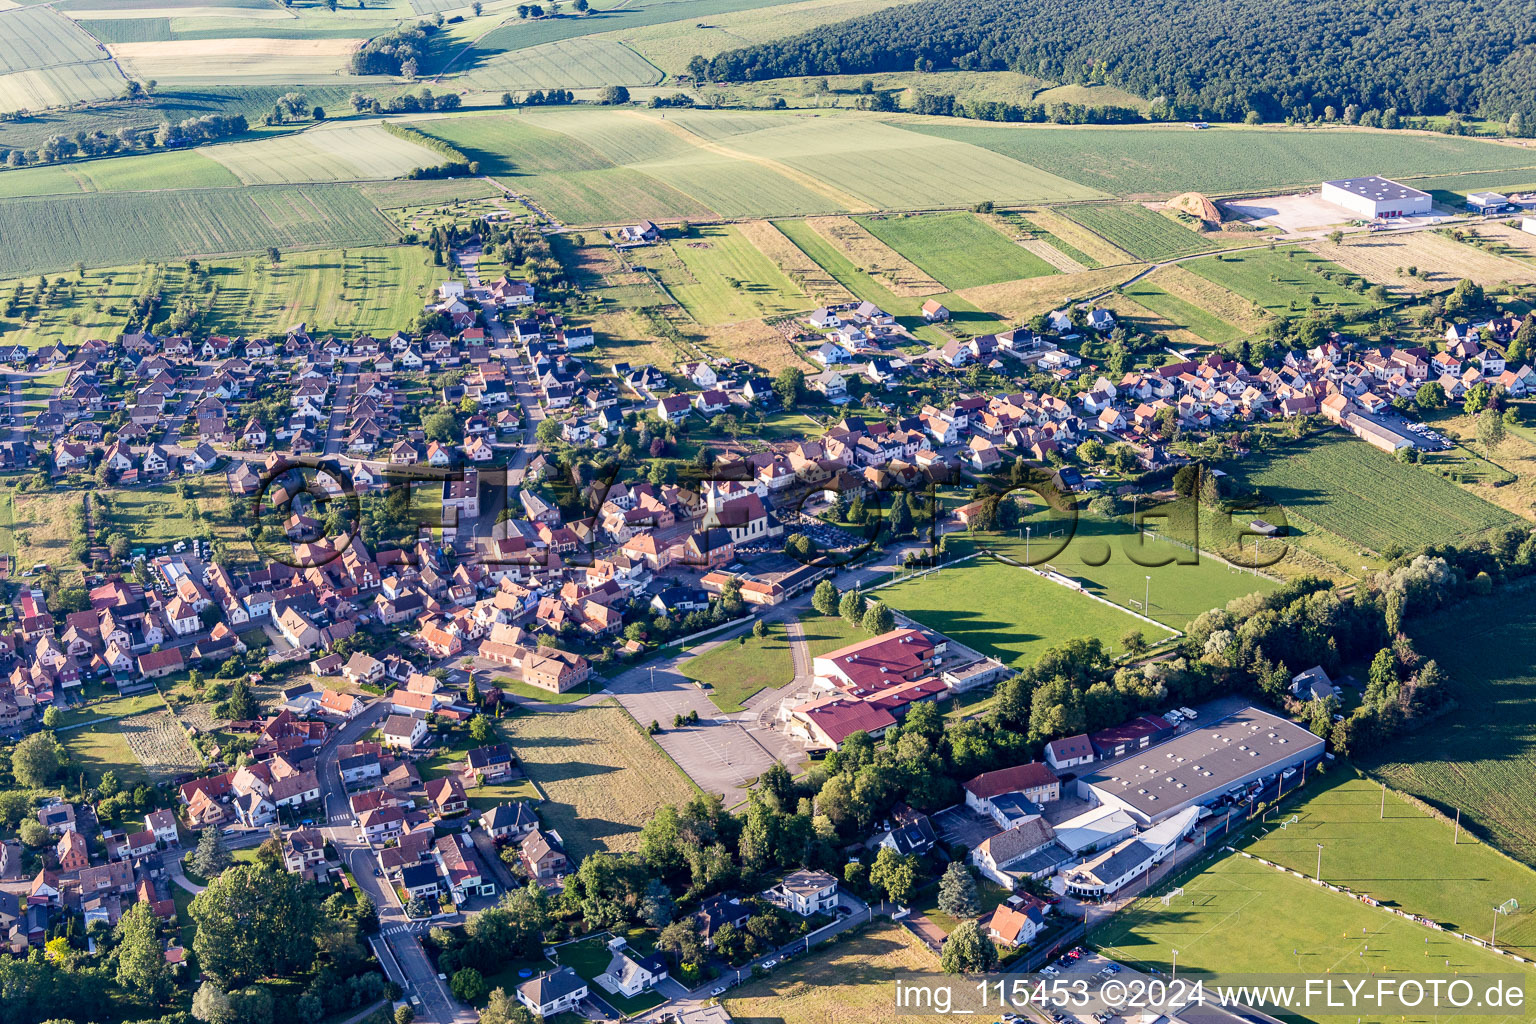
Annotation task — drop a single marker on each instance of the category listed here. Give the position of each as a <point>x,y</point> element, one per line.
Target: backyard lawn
<point>589,958</point>
<point>737,668</point>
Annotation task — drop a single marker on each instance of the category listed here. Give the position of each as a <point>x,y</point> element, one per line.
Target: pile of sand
<point>1195,205</point>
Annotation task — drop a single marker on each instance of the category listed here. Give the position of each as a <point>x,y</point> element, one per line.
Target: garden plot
<point>873,256</point>
<point>812,278</point>
<point>160,744</point>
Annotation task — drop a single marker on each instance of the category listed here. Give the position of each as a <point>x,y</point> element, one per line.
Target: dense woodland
<point>1217,59</point>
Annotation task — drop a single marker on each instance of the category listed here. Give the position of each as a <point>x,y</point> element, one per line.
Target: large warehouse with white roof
<point>1198,766</point>
<point>1374,197</point>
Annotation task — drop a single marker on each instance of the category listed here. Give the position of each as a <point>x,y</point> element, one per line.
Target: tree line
<point>1209,59</point>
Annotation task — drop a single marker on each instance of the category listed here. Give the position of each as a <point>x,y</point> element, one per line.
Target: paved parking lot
<point>958,825</point>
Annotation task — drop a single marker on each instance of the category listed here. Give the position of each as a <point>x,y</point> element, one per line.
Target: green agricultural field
<point>347,152</point>
<point>1365,496</point>
<point>720,277</point>
<point>393,195</point>
<point>1168,159</point>
<point>110,229</point>
<point>186,168</point>
<point>1185,314</point>
<point>671,45</point>
<point>1241,916</point>
<point>580,63</point>
<point>1401,855</point>
<point>1284,281</point>
<point>615,18</point>
<point>40,37</point>
<point>1140,231</point>
<point>878,164</point>
<point>60,86</point>
<point>1008,612</point>
<point>1481,757</point>
<point>735,669</point>
<point>1112,561</point>
<point>956,249</point>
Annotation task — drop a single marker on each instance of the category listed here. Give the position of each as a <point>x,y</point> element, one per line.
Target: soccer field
<point>1111,561</point>
<point>1009,612</point>
<point>1395,852</point>
<point>1241,916</point>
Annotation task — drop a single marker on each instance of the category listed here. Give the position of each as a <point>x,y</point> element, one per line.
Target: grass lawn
<point>1365,496</point>
<point>988,897</point>
<point>1241,916</point>
<point>1185,314</point>
<point>735,670</point>
<point>100,747</point>
<point>1113,562</point>
<point>1402,856</point>
<point>511,974</point>
<point>825,633</point>
<point>1008,612</point>
<point>589,958</point>
<point>1284,281</point>
<point>603,776</point>
<point>509,685</point>
<point>444,759</point>
<point>958,250</point>
<point>1481,757</point>
<point>847,983</point>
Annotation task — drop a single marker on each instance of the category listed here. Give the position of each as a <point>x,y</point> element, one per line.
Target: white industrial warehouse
<point>1198,767</point>
<point>1374,197</point>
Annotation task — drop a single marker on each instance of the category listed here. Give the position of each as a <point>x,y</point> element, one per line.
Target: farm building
<point>1374,197</point>
<point>1200,765</point>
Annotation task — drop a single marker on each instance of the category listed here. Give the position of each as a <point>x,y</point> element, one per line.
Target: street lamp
<point>1175,965</point>
<point>1026,546</point>
<point>1146,599</point>
<point>1319,862</point>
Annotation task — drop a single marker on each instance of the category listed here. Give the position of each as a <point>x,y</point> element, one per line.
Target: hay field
<point>351,152</point>
<point>848,983</point>
<point>40,37</point>
<point>227,59</point>
<point>1128,308</point>
<point>603,776</point>
<point>59,86</point>
<point>719,277</point>
<point>1378,257</point>
<point>580,63</point>
<point>812,278</point>
<point>1020,300</point>
<point>1175,310</point>
<point>1208,295</point>
<point>869,254</point>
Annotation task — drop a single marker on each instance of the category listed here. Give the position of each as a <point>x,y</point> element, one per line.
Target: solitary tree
<point>967,951</point>
<point>957,891</point>
<point>851,607</point>
<point>824,598</point>
<point>878,618</point>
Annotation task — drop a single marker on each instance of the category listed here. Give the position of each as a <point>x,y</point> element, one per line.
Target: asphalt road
<point>411,967</point>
